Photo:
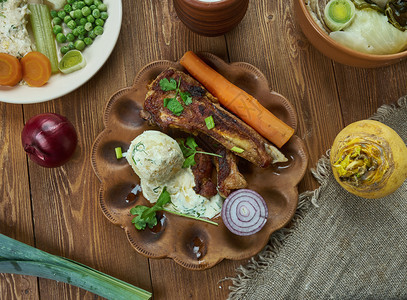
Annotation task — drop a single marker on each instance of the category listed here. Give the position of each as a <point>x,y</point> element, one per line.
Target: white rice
<point>14,37</point>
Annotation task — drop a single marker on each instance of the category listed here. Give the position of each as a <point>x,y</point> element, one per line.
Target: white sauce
<point>14,37</point>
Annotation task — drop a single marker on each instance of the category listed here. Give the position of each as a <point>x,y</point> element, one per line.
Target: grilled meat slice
<point>228,175</point>
<point>202,171</point>
<point>228,131</point>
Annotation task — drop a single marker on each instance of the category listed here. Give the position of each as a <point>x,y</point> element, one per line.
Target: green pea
<point>104,15</point>
<point>88,41</point>
<point>71,24</point>
<point>83,21</point>
<point>92,34</point>
<point>64,49</point>
<point>71,45</point>
<point>88,2</point>
<point>81,37</point>
<point>70,37</point>
<point>88,26</point>
<point>57,29</point>
<point>81,4</point>
<point>90,19</point>
<point>71,1</point>
<point>61,14</point>
<point>78,5</point>
<point>67,8</point>
<point>86,11</point>
<point>61,38</point>
<point>54,13</point>
<point>72,13</point>
<point>99,22</point>
<point>67,19</point>
<point>102,7</point>
<point>80,45</point>
<point>92,7</point>
<point>96,13</point>
<point>97,2</point>
<point>57,21</point>
<point>81,30</point>
<point>77,14</point>
<point>75,31</point>
<point>98,30</point>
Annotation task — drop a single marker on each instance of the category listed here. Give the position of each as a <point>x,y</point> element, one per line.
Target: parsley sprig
<point>146,216</point>
<point>172,103</point>
<point>188,148</point>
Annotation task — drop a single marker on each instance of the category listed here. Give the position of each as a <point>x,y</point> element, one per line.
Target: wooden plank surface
<point>56,210</point>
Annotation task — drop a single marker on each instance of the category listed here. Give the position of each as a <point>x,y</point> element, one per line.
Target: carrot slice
<point>36,68</point>
<point>238,101</point>
<point>10,70</point>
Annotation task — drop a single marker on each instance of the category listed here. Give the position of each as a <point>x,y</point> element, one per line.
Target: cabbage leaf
<point>370,32</point>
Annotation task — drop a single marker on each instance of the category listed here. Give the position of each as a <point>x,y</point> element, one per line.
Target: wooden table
<point>56,210</point>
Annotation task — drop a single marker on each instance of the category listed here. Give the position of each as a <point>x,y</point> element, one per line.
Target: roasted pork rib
<point>229,131</point>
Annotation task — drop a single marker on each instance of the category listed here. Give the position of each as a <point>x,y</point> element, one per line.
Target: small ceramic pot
<point>211,17</point>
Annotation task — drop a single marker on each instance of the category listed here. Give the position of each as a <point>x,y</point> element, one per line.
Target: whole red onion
<point>49,139</point>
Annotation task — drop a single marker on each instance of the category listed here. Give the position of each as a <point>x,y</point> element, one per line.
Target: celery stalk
<point>19,258</point>
<point>40,20</point>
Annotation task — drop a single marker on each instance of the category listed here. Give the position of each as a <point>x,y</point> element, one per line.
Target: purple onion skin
<point>49,139</point>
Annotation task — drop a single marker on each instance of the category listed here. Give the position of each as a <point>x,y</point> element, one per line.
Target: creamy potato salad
<point>157,159</point>
<point>14,37</point>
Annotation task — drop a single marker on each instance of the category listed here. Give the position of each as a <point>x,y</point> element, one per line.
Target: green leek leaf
<point>19,258</point>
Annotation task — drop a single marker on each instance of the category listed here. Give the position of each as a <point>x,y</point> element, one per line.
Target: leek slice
<point>40,19</point>
<point>72,61</point>
<point>19,258</point>
<point>339,14</point>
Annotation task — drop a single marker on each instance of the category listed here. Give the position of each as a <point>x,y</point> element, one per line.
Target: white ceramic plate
<point>62,84</point>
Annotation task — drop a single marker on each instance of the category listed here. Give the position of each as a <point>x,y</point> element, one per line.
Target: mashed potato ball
<point>155,156</point>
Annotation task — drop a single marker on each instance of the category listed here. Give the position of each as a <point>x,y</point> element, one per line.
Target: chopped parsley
<point>174,106</point>
<point>167,85</point>
<point>146,216</point>
<point>172,103</point>
<point>188,148</point>
<point>186,97</point>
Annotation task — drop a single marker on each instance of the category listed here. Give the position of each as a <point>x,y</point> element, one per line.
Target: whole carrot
<point>238,101</point>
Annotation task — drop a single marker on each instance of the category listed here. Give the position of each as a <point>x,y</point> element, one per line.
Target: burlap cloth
<point>339,246</point>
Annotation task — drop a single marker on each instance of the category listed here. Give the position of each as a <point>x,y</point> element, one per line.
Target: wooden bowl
<point>211,18</point>
<point>336,51</point>
<point>193,244</point>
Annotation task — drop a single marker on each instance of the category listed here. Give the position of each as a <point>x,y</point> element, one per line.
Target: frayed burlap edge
<point>306,200</point>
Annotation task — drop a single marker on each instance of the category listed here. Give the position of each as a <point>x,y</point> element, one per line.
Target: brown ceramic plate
<point>193,244</point>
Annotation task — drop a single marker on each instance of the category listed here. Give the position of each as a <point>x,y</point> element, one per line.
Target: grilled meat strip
<point>229,177</point>
<point>228,131</point>
<point>202,171</point>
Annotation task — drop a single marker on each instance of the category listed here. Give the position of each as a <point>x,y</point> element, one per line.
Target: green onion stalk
<point>19,258</point>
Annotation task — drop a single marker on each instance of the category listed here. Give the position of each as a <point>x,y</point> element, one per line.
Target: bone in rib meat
<point>229,130</point>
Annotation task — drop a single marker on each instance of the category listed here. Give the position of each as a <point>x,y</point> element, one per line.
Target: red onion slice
<point>244,212</point>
